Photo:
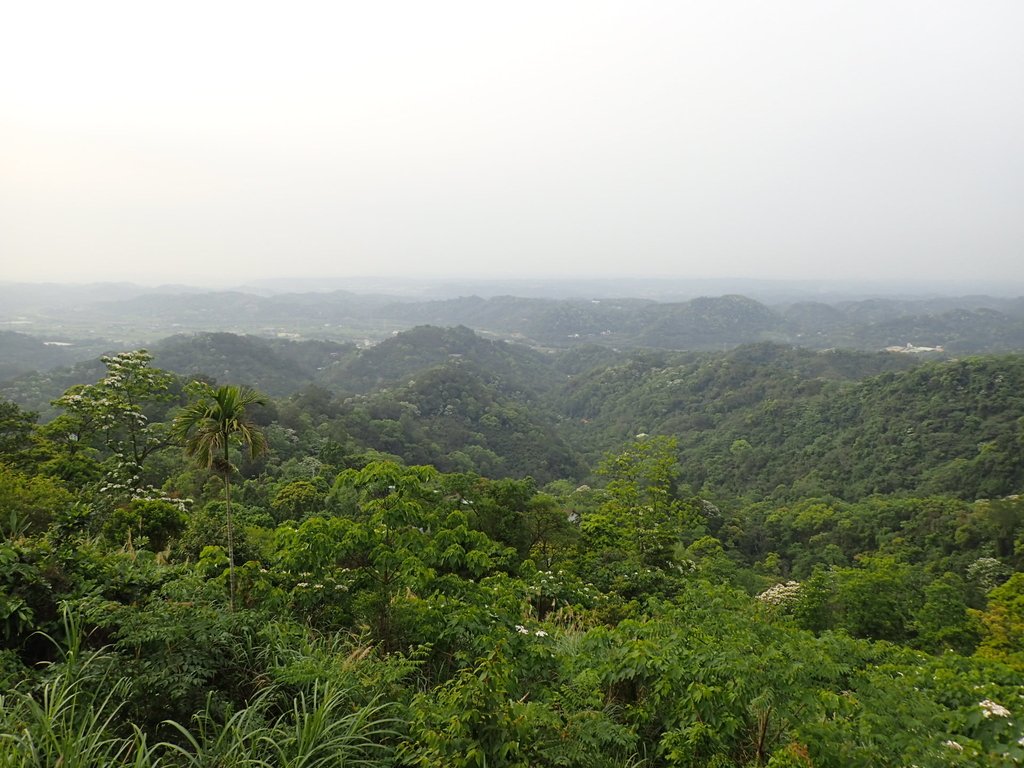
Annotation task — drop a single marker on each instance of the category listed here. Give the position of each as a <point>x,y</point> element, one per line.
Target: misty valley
<point>247,528</point>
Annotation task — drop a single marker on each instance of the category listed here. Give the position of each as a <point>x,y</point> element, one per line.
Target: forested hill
<point>509,367</point>
<point>275,366</point>
<point>22,353</point>
<point>758,421</point>
<point>280,366</point>
<point>768,420</point>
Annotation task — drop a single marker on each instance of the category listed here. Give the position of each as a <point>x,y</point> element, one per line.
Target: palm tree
<point>207,427</point>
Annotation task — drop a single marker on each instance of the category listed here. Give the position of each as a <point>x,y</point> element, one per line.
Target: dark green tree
<point>16,428</point>
<point>943,621</point>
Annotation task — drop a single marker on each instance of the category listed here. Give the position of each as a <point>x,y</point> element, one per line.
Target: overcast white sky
<point>220,142</point>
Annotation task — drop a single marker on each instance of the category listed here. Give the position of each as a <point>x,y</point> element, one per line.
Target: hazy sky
<point>214,141</point>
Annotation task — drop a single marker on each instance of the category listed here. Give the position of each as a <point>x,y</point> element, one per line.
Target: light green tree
<point>296,499</point>
<point>207,427</point>
<point>112,414</point>
<point>1003,623</point>
<point>641,508</point>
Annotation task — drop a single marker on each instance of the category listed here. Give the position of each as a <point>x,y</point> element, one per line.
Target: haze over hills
<point>14,294</point>
<point>664,288</point>
<point>562,385</point>
<point>132,315</point>
<point>515,385</point>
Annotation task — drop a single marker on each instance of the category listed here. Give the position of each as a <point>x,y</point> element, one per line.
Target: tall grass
<point>73,719</point>
<point>70,719</point>
<point>320,730</point>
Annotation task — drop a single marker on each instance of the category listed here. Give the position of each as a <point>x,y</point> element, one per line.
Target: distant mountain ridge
<point>129,315</point>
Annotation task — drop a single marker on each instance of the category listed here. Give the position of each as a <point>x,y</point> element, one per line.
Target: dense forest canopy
<point>449,550</point>
<point>758,421</point>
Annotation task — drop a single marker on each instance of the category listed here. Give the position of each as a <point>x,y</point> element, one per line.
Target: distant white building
<point>910,349</point>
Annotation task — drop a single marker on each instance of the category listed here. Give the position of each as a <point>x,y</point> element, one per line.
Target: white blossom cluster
<point>524,631</point>
<point>781,594</point>
<point>554,585</point>
<point>307,580</point>
<point>988,572</point>
<point>990,709</point>
<point>130,487</point>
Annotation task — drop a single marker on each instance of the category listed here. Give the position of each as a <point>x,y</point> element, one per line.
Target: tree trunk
<point>231,529</point>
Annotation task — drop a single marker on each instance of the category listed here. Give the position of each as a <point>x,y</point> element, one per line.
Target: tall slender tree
<point>208,427</point>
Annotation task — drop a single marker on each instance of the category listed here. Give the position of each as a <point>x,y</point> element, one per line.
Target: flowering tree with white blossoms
<point>112,413</point>
<point>785,594</point>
